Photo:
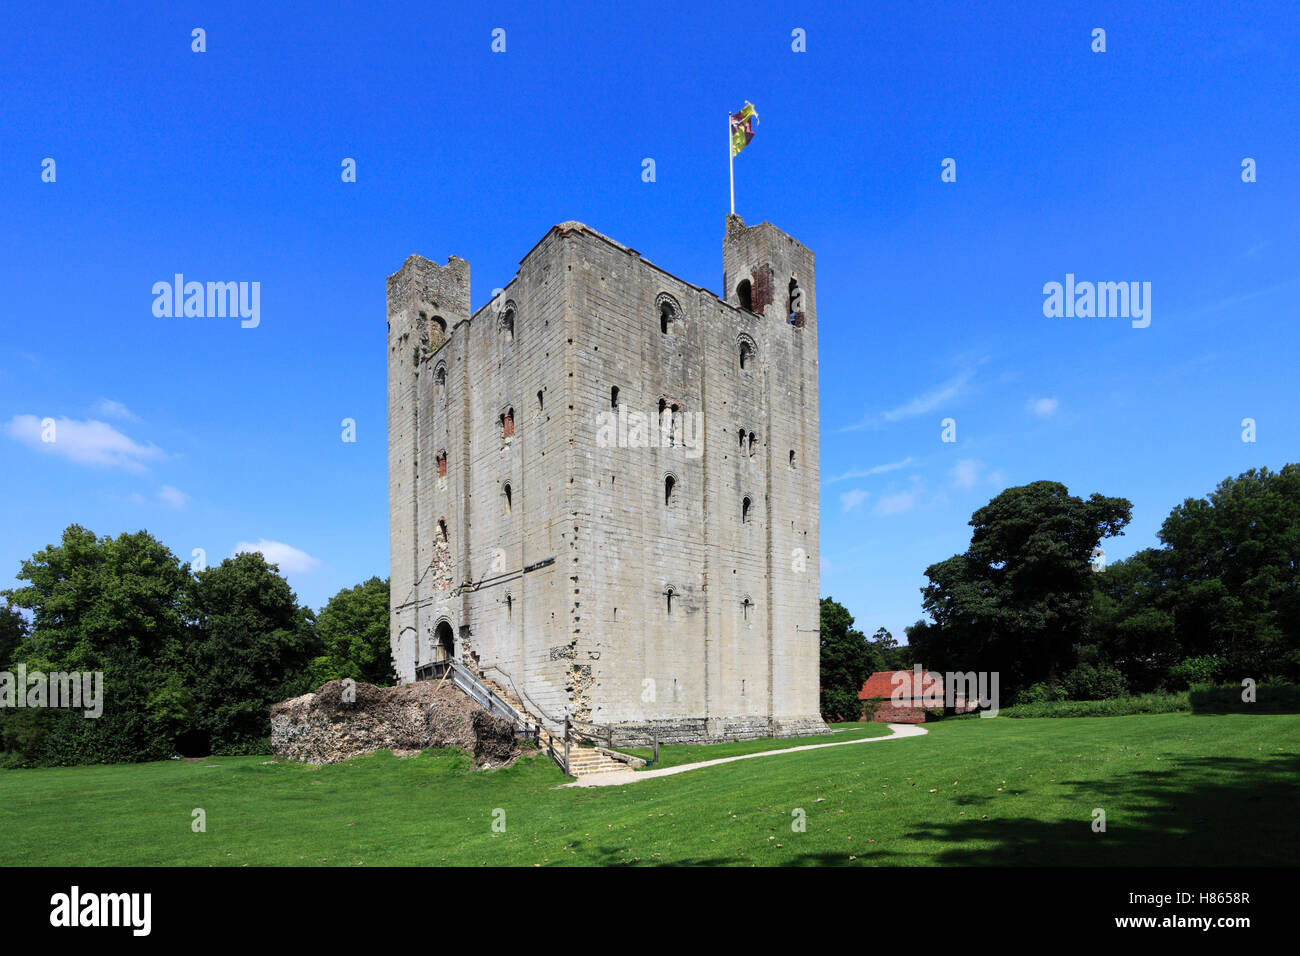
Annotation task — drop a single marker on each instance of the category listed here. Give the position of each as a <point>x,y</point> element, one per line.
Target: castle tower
<point>425,303</point>
<point>557,539</point>
<point>770,274</point>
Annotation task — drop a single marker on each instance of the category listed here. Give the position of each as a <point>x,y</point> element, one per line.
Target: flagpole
<point>731,166</point>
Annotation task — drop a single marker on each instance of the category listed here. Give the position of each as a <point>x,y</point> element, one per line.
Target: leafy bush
<point>1041,693</point>
<point>1094,682</point>
<point>1156,703</point>
<point>1272,698</point>
<point>1205,669</point>
<point>840,704</point>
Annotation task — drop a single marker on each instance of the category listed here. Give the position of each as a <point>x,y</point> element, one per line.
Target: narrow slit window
<point>794,305</point>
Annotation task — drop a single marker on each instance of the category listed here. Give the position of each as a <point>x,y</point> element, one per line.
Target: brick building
<point>912,701</point>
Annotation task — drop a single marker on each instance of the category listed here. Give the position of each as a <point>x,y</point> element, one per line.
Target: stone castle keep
<point>603,485</point>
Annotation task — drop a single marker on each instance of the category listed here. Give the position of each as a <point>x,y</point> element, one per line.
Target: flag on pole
<point>742,127</point>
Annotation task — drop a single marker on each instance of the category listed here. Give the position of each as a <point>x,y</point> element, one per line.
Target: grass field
<point>1177,789</point>
<point>678,754</point>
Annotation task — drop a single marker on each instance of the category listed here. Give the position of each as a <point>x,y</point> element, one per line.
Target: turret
<point>425,303</point>
<point>768,273</point>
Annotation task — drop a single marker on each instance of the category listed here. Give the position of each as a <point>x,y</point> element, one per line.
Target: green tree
<point>1225,587</point>
<point>1017,600</point>
<point>847,659</point>
<point>1234,561</point>
<point>253,646</point>
<point>111,605</point>
<point>353,628</point>
<point>1132,620</point>
<point>883,639</point>
<point>13,630</point>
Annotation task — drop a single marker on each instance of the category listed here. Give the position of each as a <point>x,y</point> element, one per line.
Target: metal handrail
<point>480,692</point>
<point>599,735</point>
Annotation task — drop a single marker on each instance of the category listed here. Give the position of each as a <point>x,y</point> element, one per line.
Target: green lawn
<point>677,754</point>
<point>1177,789</point>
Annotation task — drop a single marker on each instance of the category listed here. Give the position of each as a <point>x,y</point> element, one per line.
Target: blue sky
<point>225,165</point>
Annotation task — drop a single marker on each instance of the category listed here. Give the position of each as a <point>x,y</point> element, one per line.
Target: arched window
<point>745,294</point>
<point>508,325</point>
<point>442,530</point>
<point>440,376</point>
<point>741,433</point>
<point>613,397</point>
<point>669,484</point>
<point>670,313</point>
<point>510,607</point>
<point>669,593</point>
<point>442,464</point>
<point>539,400</point>
<point>753,443</point>
<point>507,420</point>
<point>791,457</point>
<point>744,510</point>
<point>505,498</point>
<point>440,324</point>
<point>746,355</point>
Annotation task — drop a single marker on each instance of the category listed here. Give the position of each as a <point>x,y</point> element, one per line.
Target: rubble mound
<point>324,727</point>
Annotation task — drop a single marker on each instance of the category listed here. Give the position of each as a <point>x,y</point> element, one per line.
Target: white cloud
<point>922,404</point>
<point>173,497</point>
<point>966,473</point>
<point>83,442</point>
<point>1042,407</point>
<point>868,472</point>
<point>896,503</point>
<point>849,500</point>
<point>970,473</point>
<point>111,409</point>
<point>930,400</point>
<point>290,559</point>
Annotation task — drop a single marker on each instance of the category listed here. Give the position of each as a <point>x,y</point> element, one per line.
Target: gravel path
<point>619,778</point>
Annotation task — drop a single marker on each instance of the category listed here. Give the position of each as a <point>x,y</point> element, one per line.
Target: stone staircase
<point>584,760</point>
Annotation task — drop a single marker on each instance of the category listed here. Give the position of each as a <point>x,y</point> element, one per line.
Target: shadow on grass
<point>1201,811</point>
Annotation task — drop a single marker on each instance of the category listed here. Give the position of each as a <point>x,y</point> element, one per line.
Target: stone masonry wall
<point>562,595</point>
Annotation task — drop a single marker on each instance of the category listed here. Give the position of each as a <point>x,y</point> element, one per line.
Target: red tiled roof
<point>881,684</point>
